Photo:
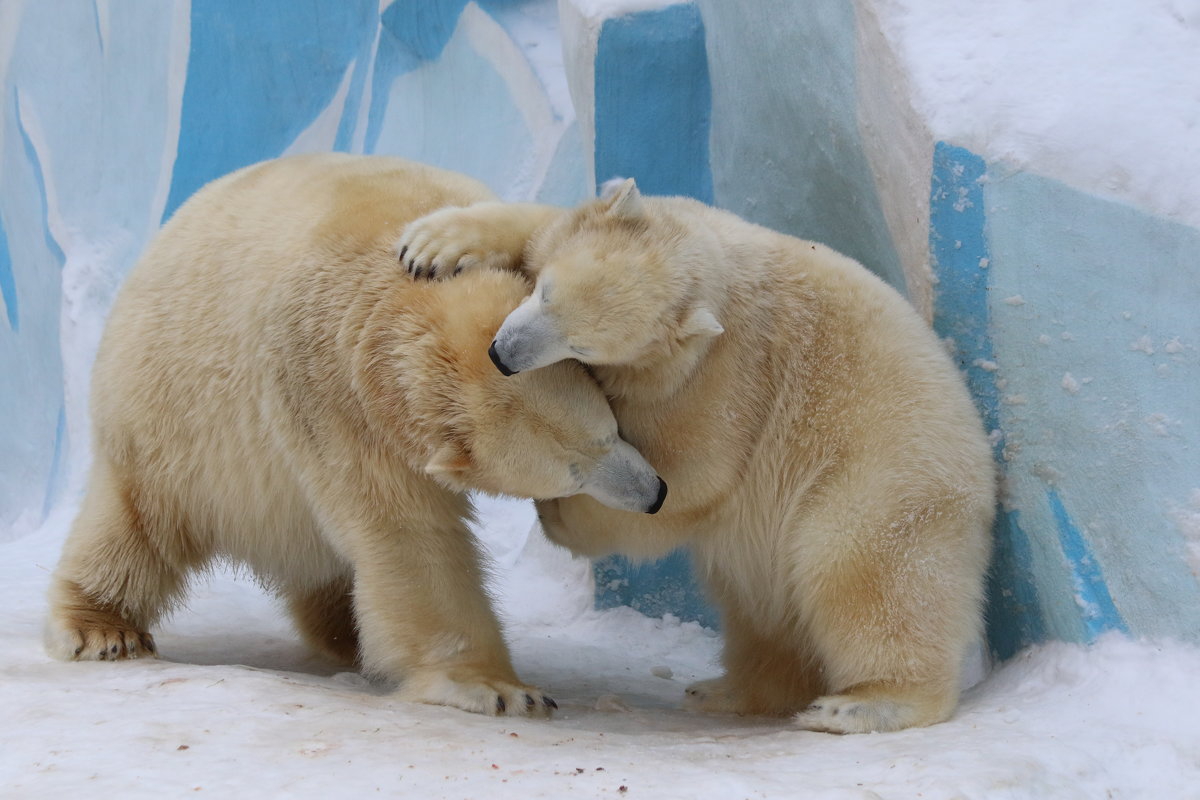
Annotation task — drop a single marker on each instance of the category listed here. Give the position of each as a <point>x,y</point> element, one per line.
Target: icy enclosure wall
<point>1038,199</point>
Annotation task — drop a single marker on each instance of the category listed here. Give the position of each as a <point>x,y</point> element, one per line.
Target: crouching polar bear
<point>828,471</point>
<point>271,389</point>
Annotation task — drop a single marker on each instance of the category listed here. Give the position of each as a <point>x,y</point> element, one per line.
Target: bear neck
<point>405,384</point>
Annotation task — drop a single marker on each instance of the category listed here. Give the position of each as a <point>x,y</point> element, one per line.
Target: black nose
<point>662,495</point>
<point>496,360</point>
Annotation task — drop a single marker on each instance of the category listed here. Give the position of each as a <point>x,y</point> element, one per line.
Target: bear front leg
<point>424,620</point>
<point>116,576</point>
<point>452,240</point>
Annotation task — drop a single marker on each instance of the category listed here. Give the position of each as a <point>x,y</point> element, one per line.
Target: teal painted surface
<point>1096,335</point>
<point>8,284</point>
<point>54,481</point>
<point>961,260</point>
<point>1096,608</point>
<point>786,147</point>
<point>666,586</point>
<point>39,178</point>
<point>567,178</point>
<point>432,116</point>
<point>653,102</point>
<point>258,74</point>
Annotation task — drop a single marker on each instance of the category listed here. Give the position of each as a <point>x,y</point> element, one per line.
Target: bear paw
<point>452,240</point>
<point>850,714</point>
<point>480,695</point>
<point>90,643</point>
<point>715,696</point>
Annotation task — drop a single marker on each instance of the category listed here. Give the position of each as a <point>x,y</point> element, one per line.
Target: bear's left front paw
<point>449,241</point>
<point>713,696</point>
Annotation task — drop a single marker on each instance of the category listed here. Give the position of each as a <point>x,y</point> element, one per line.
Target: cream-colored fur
<point>828,471</point>
<point>272,390</point>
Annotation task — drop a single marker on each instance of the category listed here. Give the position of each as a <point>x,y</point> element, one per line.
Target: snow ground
<point>239,708</point>
<point>1104,97</point>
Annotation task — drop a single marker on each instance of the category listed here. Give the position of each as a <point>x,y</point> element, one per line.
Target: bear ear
<point>701,321</point>
<point>451,465</point>
<point>623,198</point>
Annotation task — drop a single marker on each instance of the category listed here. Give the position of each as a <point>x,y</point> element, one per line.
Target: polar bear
<point>829,473</point>
<point>271,390</point>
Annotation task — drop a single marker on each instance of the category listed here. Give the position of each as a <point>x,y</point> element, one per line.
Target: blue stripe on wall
<point>8,284</point>
<point>653,102</point>
<point>257,78</point>
<point>39,179</point>
<point>663,587</point>
<point>1097,610</point>
<point>958,243</point>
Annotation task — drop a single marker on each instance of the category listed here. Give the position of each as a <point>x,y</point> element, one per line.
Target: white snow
<point>1069,384</point>
<point>1102,96</point>
<point>238,708</point>
<point>1143,344</point>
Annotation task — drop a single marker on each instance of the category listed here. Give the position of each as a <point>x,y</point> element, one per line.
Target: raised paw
<point>451,240</point>
<point>476,694</point>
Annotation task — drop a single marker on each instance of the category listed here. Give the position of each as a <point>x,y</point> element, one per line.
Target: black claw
<point>456,271</point>
<point>419,272</point>
<point>78,650</point>
<point>403,250</point>
<point>529,701</point>
<point>549,701</point>
<point>501,706</point>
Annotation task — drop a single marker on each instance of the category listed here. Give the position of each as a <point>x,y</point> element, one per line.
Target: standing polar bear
<point>272,390</point>
<point>828,471</point>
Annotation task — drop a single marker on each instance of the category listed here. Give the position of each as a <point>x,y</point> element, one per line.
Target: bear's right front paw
<point>449,241</point>
<point>85,643</point>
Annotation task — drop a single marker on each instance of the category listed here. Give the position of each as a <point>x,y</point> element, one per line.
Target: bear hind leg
<point>325,618</point>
